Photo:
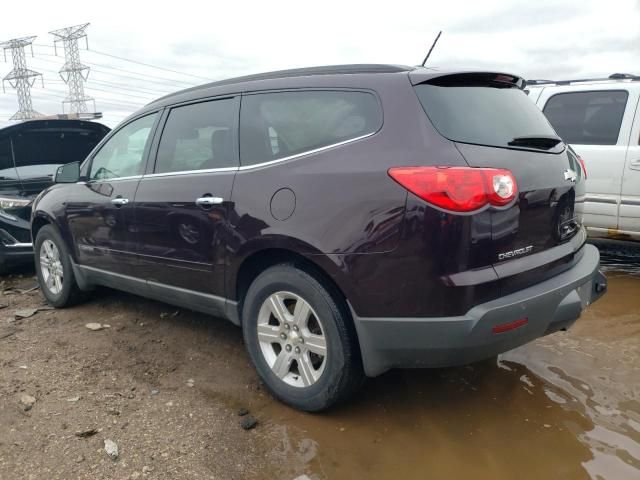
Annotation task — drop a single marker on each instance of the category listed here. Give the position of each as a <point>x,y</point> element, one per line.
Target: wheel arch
<point>39,220</point>
<point>322,267</point>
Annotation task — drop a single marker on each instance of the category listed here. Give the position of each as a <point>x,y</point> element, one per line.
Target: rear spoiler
<point>465,78</point>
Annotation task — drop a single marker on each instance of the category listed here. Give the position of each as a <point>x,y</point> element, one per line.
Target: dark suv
<point>351,219</point>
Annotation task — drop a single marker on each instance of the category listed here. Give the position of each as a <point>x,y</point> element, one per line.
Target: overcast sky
<point>215,40</point>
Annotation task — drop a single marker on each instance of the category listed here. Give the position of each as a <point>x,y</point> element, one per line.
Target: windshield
<point>485,115</point>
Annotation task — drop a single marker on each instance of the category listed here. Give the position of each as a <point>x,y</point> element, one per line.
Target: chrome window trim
<point>190,172</point>
<point>262,164</point>
<point>115,179</point>
<point>307,152</point>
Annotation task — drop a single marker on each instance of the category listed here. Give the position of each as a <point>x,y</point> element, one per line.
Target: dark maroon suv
<point>351,219</point>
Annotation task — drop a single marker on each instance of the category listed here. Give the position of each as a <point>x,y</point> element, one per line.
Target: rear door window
<point>282,124</point>
<point>199,136</point>
<point>482,114</point>
<point>587,118</point>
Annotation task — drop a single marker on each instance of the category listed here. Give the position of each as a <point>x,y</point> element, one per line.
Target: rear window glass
<point>587,118</point>
<point>482,115</point>
<point>278,125</point>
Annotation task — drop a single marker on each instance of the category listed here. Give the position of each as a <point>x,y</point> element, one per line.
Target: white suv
<point>600,119</point>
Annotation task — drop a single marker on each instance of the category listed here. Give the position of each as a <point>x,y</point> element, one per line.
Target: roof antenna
<point>431,49</point>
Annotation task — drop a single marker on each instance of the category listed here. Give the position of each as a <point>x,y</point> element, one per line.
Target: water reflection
<point>619,256</point>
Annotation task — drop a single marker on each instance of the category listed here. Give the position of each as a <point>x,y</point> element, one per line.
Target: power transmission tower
<point>73,72</point>
<point>21,78</point>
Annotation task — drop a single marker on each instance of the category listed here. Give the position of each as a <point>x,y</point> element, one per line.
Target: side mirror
<point>69,173</point>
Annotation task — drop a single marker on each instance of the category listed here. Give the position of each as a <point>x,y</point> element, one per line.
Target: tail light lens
<point>584,167</point>
<point>459,189</point>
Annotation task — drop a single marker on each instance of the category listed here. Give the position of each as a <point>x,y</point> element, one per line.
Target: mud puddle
<point>563,407</point>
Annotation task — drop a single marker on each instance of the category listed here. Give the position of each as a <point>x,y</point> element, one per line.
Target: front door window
<point>123,153</point>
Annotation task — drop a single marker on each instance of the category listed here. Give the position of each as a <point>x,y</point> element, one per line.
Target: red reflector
<point>459,189</point>
<point>505,327</point>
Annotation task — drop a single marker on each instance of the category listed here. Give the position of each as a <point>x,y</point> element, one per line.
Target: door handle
<point>209,201</point>
<point>635,164</point>
<point>119,201</point>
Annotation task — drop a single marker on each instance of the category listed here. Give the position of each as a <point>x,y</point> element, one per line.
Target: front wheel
<point>53,268</point>
<point>300,339</point>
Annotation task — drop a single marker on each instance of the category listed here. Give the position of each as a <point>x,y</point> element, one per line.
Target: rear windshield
<point>482,115</point>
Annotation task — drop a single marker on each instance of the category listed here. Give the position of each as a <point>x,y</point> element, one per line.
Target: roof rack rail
<point>614,76</point>
<point>539,82</point>
<point>624,76</point>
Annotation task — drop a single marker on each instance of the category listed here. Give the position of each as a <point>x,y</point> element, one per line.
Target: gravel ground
<point>165,385</point>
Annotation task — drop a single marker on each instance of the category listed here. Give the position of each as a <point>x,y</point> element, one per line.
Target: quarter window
<point>587,118</point>
<point>123,153</point>
<point>198,137</point>
<point>278,125</point>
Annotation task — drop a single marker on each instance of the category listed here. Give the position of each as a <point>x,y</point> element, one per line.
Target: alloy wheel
<point>292,339</point>
<point>51,267</point>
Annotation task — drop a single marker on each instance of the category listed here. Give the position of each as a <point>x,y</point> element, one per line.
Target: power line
<point>164,82</point>
<point>133,87</point>
<point>176,81</point>
<point>49,95</point>
<point>118,93</point>
<point>142,74</point>
<point>121,85</point>
<point>151,66</point>
<point>141,63</point>
<point>149,94</point>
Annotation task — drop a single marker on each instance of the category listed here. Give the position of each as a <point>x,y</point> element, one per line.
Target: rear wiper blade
<point>542,142</point>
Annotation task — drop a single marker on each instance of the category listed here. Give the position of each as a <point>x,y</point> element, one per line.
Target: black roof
<point>296,72</point>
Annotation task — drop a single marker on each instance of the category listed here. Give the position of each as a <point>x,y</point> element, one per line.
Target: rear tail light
<point>459,189</point>
<point>584,167</point>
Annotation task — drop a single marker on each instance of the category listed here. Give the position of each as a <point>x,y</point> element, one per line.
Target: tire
<point>66,291</point>
<point>306,380</point>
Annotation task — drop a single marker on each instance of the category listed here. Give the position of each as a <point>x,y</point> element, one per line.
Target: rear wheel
<point>53,268</point>
<point>300,339</point>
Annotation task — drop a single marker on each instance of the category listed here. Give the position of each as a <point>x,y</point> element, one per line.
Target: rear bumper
<point>549,306</point>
